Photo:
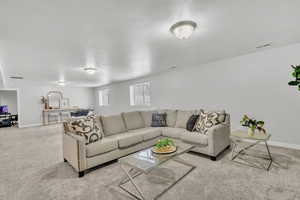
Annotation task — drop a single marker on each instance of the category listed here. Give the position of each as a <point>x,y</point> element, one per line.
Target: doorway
<point>9,109</point>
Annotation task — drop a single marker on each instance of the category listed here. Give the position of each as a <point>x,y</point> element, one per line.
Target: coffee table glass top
<point>244,135</point>
<point>145,159</point>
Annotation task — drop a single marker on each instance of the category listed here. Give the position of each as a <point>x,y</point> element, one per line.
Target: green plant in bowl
<point>164,143</point>
<point>164,146</point>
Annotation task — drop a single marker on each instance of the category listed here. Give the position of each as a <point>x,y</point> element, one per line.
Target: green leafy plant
<point>253,124</point>
<point>164,143</point>
<point>296,75</point>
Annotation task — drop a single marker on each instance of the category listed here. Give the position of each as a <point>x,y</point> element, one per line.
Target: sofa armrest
<point>218,138</point>
<point>74,151</point>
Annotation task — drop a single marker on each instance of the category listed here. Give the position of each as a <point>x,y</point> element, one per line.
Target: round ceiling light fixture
<point>183,29</point>
<point>90,70</point>
<point>16,77</point>
<point>61,83</point>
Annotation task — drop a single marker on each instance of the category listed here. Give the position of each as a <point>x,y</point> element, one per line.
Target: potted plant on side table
<point>296,75</point>
<point>253,125</point>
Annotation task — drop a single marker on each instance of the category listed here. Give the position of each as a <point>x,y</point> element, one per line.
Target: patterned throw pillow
<point>208,119</point>
<point>159,120</point>
<point>86,127</point>
<point>191,122</point>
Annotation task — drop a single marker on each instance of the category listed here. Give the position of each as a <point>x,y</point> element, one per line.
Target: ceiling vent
<point>264,46</point>
<point>16,77</point>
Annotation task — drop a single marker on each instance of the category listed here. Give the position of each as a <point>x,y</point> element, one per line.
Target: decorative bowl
<point>164,150</point>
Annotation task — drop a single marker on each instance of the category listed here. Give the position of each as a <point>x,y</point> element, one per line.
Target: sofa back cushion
<point>183,116</point>
<point>133,120</point>
<point>99,123</point>
<point>113,124</point>
<point>227,120</point>
<point>171,117</point>
<point>147,116</point>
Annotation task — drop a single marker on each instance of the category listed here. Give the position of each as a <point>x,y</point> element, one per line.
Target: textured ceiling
<point>49,40</point>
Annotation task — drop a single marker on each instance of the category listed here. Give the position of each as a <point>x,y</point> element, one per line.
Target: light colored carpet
<point>32,168</point>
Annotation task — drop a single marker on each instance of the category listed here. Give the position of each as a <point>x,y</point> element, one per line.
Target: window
<point>104,97</point>
<point>140,94</point>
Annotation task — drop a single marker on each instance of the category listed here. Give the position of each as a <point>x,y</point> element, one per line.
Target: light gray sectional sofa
<point>130,132</point>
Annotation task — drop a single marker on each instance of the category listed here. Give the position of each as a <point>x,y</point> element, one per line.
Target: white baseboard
<point>277,144</point>
<point>283,144</point>
<point>35,125</point>
<point>30,125</point>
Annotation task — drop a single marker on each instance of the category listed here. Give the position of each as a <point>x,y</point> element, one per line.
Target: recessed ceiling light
<point>90,70</point>
<point>264,45</point>
<point>183,29</point>
<point>16,77</point>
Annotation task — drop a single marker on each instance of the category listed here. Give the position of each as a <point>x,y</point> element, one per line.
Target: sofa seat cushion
<point>133,120</point>
<point>148,133</point>
<point>151,134</point>
<point>172,132</point>
<point>129,139</point>
<point>103,146</point>
<point>113,124</point>
<point>194,137</point>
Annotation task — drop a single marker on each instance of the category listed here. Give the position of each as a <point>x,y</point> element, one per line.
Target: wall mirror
<point>65,103</point>
<point>54,99</point>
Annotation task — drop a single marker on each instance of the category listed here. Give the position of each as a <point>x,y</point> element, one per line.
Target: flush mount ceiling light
<point>61,83</point>
<point>264,45</point>
<point>90,70</point>
<point>183,29</point>
<point>16,77</point>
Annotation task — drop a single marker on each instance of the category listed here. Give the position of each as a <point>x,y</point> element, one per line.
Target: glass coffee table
<point>145,161</point>
<point>257,138</point>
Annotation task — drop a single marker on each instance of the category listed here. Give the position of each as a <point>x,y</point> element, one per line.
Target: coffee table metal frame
<point>243,151</point>
<point>136,171</point>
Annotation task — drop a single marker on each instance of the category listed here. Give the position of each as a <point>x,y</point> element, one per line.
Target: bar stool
<point>53,117</point>
<point>64,116</point>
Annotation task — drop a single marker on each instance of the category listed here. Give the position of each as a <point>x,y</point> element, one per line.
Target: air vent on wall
<point>16,77</point>
<point>264,46</point>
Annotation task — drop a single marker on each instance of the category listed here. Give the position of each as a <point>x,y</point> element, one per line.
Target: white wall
<point>30,107</point>
<point>254,84</point>
<point>9,98</point>
<point>2,81</point>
